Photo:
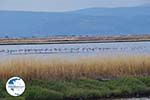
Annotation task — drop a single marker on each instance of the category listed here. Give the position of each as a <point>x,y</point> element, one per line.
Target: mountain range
<point>90,21</point>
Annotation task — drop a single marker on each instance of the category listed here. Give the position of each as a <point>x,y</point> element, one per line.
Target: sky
<point>66,5</point>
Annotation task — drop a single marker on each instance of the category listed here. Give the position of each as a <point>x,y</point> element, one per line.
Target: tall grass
<point>97,67</point>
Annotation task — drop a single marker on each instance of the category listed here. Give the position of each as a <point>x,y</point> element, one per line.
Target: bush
<point>145,80</point>
<point>2,90</point>
<point>13,98</point>
<point>82,94</point>
<point>38,93</point>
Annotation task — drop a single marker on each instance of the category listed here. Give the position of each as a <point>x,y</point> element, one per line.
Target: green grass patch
<point>82,89</point>
<point>38,93</point>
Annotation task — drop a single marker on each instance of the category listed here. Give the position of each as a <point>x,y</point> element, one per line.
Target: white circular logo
<point>15,86</point>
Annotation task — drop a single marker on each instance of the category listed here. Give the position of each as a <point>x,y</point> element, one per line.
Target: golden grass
<point>60,69</point>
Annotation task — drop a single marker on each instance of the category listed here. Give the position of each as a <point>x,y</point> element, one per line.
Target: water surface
<point>82,49</point>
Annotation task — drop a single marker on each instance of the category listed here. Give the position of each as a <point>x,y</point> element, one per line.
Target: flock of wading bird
<point>66,50</point>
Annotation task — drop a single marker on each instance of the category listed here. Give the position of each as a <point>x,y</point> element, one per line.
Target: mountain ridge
<point>101,21</point>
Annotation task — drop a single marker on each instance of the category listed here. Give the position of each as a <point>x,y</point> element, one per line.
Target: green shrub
<point>2,90</point>
<point>82,94</point>
<point>38,93</point>
<point>145,80</point>
<point>13,98</point>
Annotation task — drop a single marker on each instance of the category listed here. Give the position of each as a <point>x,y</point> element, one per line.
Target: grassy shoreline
<point>82,89</point>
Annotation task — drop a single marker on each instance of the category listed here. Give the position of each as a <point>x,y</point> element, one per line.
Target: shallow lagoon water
<point>74,50</point>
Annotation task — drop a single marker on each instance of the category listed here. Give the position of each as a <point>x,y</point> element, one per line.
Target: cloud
<point>66,5</point>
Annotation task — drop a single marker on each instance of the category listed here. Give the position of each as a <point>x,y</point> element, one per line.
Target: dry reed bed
<point>97,67</point>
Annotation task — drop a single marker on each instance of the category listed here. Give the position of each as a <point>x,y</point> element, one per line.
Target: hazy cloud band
<point>66,5</point>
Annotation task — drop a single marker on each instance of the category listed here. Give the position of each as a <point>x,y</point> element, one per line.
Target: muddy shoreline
<point>73,40</point>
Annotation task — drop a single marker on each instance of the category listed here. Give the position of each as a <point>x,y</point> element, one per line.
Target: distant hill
<point>91,21</point>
